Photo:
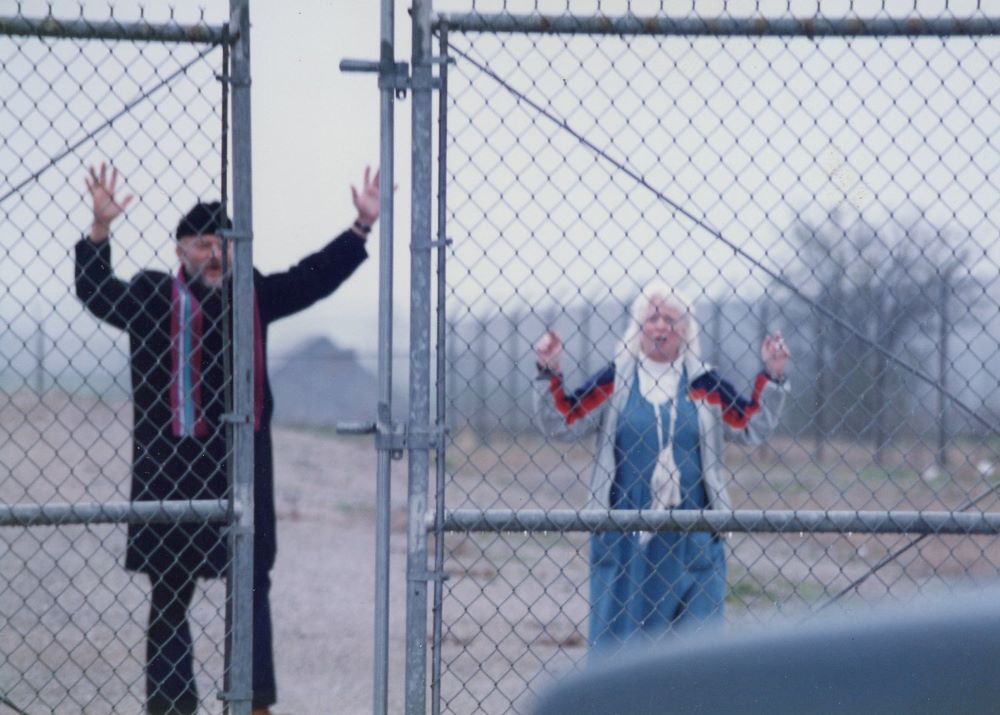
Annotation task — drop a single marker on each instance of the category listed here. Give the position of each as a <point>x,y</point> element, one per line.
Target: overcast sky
<point>746,133</point>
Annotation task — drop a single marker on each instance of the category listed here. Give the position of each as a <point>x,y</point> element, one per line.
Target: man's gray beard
<point>208,286</point>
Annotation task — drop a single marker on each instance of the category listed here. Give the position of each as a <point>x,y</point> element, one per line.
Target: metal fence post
<point>420,324</point>
<point>383,483</point>
<point>239,686</point>
<point>441,379</point>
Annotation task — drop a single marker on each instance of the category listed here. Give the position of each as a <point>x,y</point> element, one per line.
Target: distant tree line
<point>899,296</point>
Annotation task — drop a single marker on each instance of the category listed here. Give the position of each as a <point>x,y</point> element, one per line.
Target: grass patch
<point>900,473</point>
<point>746,591</point>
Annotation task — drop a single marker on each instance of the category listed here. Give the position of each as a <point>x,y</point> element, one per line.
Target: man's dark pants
<point>170,680</point>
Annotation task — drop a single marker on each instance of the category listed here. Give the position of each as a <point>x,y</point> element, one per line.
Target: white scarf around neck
<point>658,380</point>
<point>659,383</point>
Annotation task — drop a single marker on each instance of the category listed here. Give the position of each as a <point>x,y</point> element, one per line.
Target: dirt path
<point>323,584</point>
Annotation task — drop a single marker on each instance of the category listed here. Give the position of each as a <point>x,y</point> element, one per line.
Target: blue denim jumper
<point>676,580</point>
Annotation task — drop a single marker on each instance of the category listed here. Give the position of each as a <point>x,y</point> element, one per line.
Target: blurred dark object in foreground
<point>938,657</point>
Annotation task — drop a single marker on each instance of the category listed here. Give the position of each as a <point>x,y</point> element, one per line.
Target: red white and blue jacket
<point>722,412</point>
<point>708,387</point>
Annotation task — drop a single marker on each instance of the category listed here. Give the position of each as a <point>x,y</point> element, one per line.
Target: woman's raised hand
<point>548,349</point>
<point>775,355</point>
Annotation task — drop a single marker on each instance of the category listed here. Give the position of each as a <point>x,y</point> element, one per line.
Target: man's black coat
<point>167,467</point>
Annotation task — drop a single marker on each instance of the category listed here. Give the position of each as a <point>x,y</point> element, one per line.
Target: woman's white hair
<point>676,298</point>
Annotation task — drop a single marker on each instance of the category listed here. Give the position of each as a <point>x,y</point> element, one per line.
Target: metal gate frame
<point>393,82</point>
<point>239,584</point>
<point>423,435</point>
<point>237,512</point>
<point>416,436</point>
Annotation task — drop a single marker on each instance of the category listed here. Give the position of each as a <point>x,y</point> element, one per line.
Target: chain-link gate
<point>90,326</point>
<point>834,179</point>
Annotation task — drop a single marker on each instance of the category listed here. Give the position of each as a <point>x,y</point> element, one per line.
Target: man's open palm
<point>106,207</point>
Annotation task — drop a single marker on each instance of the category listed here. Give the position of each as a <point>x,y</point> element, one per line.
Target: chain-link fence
<point>832,179</point>
<point>107,352</point>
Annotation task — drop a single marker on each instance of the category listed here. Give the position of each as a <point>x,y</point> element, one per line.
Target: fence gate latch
<point>394,75</point>
<point>395,437</point>
<point>389,436</point>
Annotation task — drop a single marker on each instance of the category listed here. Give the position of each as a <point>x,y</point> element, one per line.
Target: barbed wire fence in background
<point>150,99</point>
<point>832,179</point>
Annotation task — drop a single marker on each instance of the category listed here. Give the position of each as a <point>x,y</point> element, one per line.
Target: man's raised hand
<point>366,201</point>
<point>106,207</point>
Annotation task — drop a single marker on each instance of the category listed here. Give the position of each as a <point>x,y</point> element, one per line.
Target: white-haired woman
<point>659,414</point>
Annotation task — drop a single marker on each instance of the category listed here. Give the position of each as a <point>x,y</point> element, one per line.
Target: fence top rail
<point>738,521</point>
<point>630,24</point>
<point>172,32</point>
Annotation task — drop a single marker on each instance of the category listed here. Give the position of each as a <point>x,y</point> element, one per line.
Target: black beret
<point>204,218</point>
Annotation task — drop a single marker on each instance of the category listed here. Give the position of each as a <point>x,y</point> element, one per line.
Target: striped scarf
<point>186,329</point>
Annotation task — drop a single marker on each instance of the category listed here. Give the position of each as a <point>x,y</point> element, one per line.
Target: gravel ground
<point>73,621</point>
<point>72,635</point>
<point>324,583</point>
